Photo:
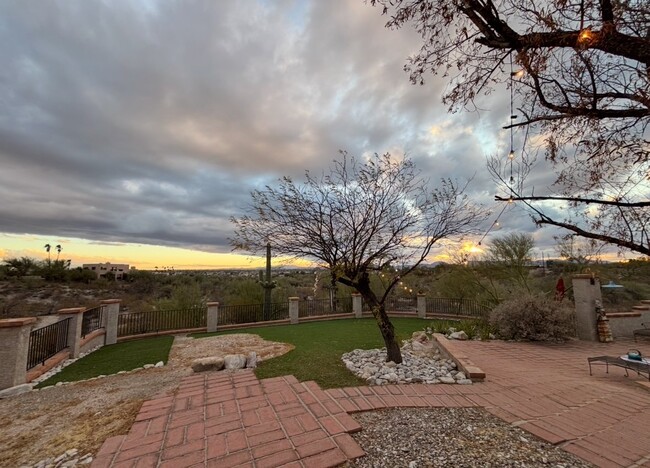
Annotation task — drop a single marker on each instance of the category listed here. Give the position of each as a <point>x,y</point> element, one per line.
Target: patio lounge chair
<point>641,367</point>
<point>645,331</point>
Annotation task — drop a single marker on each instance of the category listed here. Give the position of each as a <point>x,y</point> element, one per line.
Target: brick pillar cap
<point>294,298</point>
<point>421,294</point>
<point>17,322</point>
<point>72,310</point>
<point>356,294</point>
<point>584,276</point>
<point>211,304</point>
<point>110,301</point>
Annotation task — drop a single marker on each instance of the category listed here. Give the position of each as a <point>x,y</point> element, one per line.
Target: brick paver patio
<point>233,419</point>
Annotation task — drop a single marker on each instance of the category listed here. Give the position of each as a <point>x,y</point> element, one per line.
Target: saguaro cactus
<point>267,284</point>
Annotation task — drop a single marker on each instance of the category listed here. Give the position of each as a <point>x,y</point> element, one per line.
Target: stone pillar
<point>14,344</point>
<point>422,305</point>
<point>357,305</point>
<point>293,309</point>
<point>76,315</point>
<point>586,291</point>
<point>213,317</point>
<point>111,312</point>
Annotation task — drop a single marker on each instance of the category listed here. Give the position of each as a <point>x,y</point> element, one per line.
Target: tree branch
<point>643,204</point>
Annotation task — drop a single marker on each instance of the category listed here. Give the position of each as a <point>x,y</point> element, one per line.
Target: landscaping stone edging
<point>450,349</point>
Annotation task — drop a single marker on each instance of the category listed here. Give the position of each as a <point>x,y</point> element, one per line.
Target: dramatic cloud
<point>151,121</point>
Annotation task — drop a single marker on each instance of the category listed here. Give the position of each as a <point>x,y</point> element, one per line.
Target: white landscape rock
<point>213,363</point>
<point>159,364</point>
<point>251,360</point>
<point>460,335</point>
<point>235,361</point>
<point>417,366</point>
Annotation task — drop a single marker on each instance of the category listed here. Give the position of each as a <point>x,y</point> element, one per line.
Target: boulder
<point>234,361</point>
<point>419,346</point>
<point>214,363</point>
<point>251,360</point>
<point>461,335</point>
<point>419,336</point>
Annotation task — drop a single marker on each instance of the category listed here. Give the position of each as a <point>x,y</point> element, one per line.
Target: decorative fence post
<point>293,310</point>
<point>586,291</point>
<point>422,305</point>
<point>14,343</point>
<point>213,317</point>
<point>357,306</point>
<point>76,315</point>
<point>111,312</point>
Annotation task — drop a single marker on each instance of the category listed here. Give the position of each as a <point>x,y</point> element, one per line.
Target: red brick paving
<point>233,419</point>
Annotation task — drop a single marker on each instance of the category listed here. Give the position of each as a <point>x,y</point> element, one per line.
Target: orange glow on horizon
<point>141,256</point>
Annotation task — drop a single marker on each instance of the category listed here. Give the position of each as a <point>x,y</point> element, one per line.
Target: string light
<point>586,35</point>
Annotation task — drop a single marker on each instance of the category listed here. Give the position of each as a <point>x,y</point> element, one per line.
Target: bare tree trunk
<point>333,292</point>
<point>385,326</point>
<point>394,353</point>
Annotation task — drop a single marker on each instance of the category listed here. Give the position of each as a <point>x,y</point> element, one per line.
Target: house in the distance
<point>101,269</point>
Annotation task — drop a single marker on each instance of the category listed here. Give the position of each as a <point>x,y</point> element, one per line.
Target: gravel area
<point>458,437</point>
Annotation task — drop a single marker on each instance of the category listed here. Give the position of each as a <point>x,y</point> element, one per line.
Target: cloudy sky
<point>132,130</point>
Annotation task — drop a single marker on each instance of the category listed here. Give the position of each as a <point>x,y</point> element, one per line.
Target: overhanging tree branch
<point>642,204</point>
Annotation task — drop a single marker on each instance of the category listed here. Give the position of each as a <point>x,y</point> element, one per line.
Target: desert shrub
<point>532,317</point>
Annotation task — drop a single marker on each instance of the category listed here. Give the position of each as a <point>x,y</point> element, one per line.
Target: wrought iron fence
<point>402,304</point>
<point>250,313</point>
<point>138,323</point>
<point>46,342</point>
<point>92,320</point>
<point>316,307</point>
<point>460,307</point>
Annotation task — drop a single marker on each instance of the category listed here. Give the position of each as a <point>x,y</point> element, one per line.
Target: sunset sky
<point>131,131</point>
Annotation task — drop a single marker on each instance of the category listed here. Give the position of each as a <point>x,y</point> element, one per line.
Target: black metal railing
<point>460,307</point>
<point>316,307</point>
<point>138,323</point>
<point>46,342</point>
<point>251,313</point>
<point>92,320</point>
<point>401,304</point>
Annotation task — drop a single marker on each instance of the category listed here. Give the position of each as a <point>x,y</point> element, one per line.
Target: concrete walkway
<point>233,419</point>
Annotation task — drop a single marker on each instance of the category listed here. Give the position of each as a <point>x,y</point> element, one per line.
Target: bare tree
<point>579,252</point>
<point>582,80</point>
<point>356,219</point>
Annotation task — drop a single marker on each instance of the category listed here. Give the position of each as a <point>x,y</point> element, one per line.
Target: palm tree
<point>58,251</point>
<point>47,249</point>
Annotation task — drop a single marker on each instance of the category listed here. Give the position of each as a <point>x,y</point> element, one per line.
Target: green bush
<point>533,317</point>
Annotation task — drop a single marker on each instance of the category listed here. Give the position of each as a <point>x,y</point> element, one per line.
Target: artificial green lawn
<point>319,346</point>
<point>111,359</point>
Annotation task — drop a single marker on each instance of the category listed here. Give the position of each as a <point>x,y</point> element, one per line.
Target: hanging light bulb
<point>496,223</point>
<point>510,200</point>
<point>511,154</point>
<point>512,180</point>
<point>518,73</point>
<point>585,35</point>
